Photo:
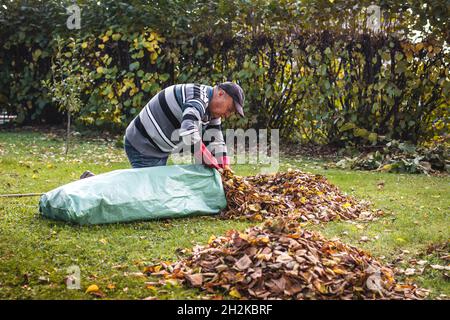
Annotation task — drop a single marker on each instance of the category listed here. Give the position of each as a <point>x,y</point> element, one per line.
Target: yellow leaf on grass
<point>111,286</point>
<point>211,239</point>
<point>151,269</point>
<point>172,282</point>
<point>92,288</point>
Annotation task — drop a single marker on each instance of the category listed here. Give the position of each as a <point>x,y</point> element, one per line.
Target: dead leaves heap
<point>280,260</point>
<point>293,194</point>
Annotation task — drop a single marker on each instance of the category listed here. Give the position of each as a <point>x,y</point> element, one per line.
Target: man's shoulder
<point>195,84</point>
<point>197,91</point>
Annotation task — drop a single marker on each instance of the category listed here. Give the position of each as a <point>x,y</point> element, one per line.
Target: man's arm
<point>194,110</point>
<point>215,142</point>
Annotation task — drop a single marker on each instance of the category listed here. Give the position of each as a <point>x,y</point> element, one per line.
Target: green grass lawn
<point>35,253</point>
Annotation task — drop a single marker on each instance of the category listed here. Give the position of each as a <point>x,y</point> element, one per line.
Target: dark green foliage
<point>313,69</point>
<point>401,157</point>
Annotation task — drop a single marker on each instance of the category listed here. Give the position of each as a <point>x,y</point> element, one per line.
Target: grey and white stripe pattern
<point>183,107</point>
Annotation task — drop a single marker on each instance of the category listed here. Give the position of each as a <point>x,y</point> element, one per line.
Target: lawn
<point>35,253</point>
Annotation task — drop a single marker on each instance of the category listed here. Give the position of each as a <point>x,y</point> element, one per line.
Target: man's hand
<point>206,158</point>
<point>227,168</point>
<point>224,163</point>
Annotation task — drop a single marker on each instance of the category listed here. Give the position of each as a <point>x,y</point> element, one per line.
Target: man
<point>175,114</point>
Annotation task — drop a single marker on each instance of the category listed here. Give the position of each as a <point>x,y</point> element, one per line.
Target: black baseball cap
<point>236,92</point>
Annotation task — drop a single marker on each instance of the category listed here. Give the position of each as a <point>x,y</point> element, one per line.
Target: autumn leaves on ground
<point>308,234</point>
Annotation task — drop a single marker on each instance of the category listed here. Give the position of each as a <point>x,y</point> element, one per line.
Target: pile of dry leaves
<point>292,194</point>
<point>280,260</point>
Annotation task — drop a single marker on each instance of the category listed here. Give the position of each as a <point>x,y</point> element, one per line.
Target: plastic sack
<point>137,194</point>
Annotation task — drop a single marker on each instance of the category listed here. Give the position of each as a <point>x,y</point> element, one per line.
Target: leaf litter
<point>294,194</point>
<point>279,259</point>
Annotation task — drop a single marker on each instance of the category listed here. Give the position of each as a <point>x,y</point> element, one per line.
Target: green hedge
<point>311,69</point>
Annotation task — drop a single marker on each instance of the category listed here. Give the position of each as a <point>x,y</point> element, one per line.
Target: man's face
<point>222,105</point>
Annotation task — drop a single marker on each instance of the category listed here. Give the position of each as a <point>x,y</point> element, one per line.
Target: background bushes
<point>312,69</point>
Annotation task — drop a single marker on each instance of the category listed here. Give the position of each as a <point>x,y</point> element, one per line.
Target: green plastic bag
<point>137,194</point>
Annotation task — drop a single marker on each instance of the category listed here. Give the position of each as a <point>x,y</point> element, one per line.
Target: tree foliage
<point>314,69</point>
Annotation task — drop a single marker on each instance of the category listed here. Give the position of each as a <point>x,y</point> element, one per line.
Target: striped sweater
<point>181,108</point>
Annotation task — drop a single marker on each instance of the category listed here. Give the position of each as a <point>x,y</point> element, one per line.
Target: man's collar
<point>210,93</point>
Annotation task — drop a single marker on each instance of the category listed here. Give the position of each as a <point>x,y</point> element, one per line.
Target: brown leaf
<point>243,263</point>
<point>276,285</point>
<point>196,280</point>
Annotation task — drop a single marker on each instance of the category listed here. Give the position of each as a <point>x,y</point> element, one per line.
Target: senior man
<point>177,114</point>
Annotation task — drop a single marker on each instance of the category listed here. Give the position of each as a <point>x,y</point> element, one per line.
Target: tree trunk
<point>68,132</point>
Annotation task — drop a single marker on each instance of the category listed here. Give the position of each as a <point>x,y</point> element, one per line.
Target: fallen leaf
<point>43,279</point>
<point>196,280</point>
<point>364,239</point>
<point>439,267</point>
<point>243,263</point>
<point>422,262</point>
<point>211,239</point>
<point>410,271</point>
<point>234,293</point>
<point>92,288</point>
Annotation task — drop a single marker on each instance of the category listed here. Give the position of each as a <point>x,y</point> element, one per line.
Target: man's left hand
<point>227,168</point>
